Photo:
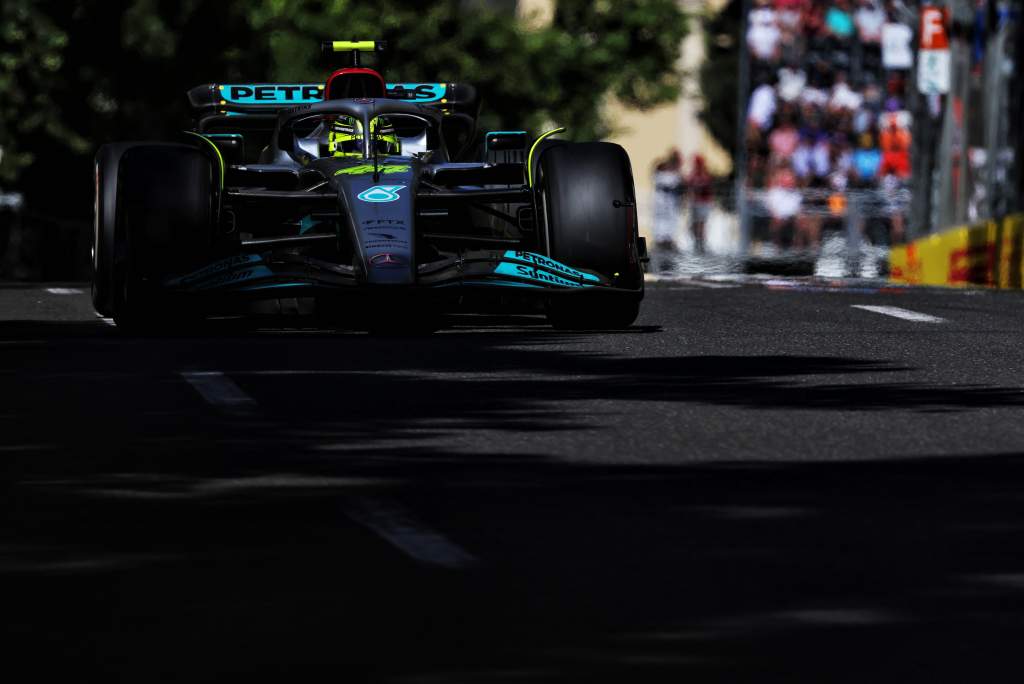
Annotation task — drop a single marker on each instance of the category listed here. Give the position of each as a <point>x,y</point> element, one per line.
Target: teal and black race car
<point>369,201</point>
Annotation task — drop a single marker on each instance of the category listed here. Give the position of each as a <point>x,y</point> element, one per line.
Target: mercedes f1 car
<point>372,201</point>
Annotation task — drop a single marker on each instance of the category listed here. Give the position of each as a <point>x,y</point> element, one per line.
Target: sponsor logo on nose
<point>381,193</point>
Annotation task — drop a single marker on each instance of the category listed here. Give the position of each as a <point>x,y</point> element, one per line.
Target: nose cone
<point>382,218</point>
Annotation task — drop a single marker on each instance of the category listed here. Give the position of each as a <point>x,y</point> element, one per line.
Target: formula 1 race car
<point>372,201</point>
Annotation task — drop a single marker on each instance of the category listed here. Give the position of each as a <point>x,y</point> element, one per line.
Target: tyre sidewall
<point>587,201</point>
<point>105,239</point>
<point>589,206</point>
<point>166,215</point>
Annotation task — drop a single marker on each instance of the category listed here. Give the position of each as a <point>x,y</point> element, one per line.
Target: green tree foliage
<point>102,70</point>
<point>720,71</point>
<point>558,74</point>
<point>77,73</point>
<point>31,54</point>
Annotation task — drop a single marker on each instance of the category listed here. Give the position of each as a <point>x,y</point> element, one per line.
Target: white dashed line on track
<point>394,525</point>
<point>220,391</point>
<point>897,312</point>
<point>683,280</point>
<point>64,290</point>
<point>315,373</point>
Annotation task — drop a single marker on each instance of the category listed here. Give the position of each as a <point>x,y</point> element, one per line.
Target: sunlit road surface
<point>764,480</point>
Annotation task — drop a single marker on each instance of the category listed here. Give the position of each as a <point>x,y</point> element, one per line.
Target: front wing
<point>260,275</point>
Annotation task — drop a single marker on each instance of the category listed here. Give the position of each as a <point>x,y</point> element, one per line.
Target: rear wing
<point>269,98</point>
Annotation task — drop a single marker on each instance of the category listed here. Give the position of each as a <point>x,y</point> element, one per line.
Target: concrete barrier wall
<point>989,254</point>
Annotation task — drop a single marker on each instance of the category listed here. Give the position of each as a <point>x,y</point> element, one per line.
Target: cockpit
<point>341,135</point>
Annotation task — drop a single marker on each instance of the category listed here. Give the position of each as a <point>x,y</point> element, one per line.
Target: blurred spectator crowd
<point>673,188</point>
<point>826,117</point>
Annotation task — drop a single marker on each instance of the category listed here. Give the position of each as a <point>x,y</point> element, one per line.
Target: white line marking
<point>897,312</point>
<point>687,280</point>
<point>220,390</point>
<point>272,373</point>
<point>394,525</point>
<point>109,321</point>
<point>711,286</point>
<point>64,290</point>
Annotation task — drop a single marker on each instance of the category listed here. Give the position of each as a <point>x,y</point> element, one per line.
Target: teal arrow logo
<point>381,193</point>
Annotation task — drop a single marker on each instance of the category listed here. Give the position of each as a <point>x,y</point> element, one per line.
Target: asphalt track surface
<point>756,483</point>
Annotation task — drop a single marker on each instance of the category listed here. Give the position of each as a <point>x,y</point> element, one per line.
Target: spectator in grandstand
<point>819,72</point>
<point>792,81</point>
<point>813,19</point>
<point>842,163</point>
<point>866,161</point>
<point>782,200</point>
<point>893,194</point>
<point>668,197</point>
<point>839,21</point>
<point>824,117</point>
<point>700,185</point>
<point>763,103</point>
<point>783,141</point>
<point>976,158</point>
<point>866,115</point>
<point>789,14</point>
<point>763,34</point>
<point>812,157</point>
<point>843,98</point>
<point>869,18</point>
<point>895,144</point>
<point>791,42</point>
<point>894,93</point>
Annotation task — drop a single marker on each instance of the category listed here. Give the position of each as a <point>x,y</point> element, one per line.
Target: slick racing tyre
<point>588,217</point>
<point>165,213</point>
<point>105,239</point>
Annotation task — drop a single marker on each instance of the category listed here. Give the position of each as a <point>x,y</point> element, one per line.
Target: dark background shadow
<point>149,537</point>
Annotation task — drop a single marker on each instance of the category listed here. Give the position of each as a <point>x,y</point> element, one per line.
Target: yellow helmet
<point>386,139</point>
<point>345,137</point>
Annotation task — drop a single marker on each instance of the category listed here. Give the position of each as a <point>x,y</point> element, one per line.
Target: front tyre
<point>166,214</point>
<point>105,243</point>
<point>588,217</point>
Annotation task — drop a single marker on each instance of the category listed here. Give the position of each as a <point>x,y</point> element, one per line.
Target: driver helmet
<point>386,139</point>
<point>345,137</point>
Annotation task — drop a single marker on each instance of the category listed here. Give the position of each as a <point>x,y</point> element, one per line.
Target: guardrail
<point>819,202</point>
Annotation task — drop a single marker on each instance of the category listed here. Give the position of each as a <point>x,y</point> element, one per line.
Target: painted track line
<point>394,525</point>
<point>897,312</point>
<point>220,391</point>
<point>686,280</point>
<point>64,290</point>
